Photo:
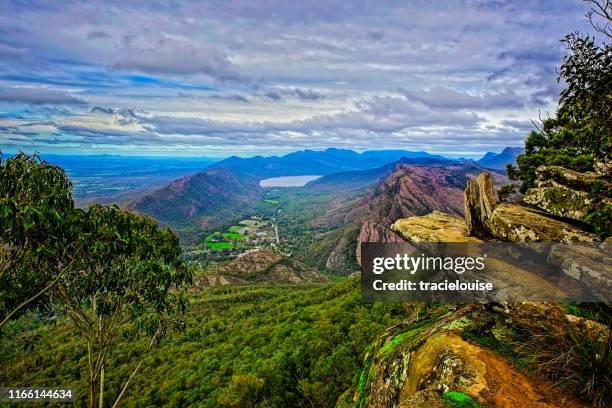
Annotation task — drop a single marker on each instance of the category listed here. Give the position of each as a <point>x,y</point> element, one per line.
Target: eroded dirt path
<point>487,377</point>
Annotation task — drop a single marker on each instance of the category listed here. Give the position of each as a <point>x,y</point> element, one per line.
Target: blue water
<point>287,181</point>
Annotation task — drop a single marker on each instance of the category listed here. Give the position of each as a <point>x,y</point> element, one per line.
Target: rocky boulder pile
<point>440,358</point>
<point>551,215</point>
<point>564,193</point>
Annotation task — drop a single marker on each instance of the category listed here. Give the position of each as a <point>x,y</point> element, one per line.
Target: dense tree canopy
<point>104,268</point>
<point>36,231</point>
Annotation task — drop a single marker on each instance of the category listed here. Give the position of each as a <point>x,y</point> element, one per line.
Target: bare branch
<point>603,10</point>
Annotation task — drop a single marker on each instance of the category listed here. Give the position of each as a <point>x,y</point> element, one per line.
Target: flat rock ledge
<point>557,175</point>
<point>434,227</point>
<point>522,224</point>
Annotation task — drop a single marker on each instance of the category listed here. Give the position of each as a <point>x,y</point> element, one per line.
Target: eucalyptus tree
<point>128,274</point>
<point>36,231</point>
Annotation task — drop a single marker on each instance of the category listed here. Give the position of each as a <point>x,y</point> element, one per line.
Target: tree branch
<point>136,369</point>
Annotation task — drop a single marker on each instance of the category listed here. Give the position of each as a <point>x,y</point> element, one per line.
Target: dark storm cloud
<point>38,96</point>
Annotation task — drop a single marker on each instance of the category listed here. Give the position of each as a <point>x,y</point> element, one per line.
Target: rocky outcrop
<point>430,361</point>
<point>479,201</point>
<point>483,215</point>
<point>511,281</point>
<point>522,224</point>
<point>406,188</point>
<point>510,222</point>
<point>565,193</point>
<point>446,356</point>
<point>560,201</point>
<point>589,265</point>
<point>260,265</point>
<point>434,227</point>
<point>375,232</point>
<point>557,175</point>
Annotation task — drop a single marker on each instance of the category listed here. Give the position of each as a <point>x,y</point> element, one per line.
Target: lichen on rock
<point>560,201</point>
<point>557,175</point>
<point>521,224</point>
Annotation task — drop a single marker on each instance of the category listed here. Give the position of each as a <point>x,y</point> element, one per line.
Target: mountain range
<point>500,160</point>
<point>404,188</point>
<point>230,189</point>
<point>311,162</point>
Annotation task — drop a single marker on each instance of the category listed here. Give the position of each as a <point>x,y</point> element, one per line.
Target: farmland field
<point>234,236</point>
<point>217,246</point>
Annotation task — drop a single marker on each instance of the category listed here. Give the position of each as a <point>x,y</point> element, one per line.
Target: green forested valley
<point>264,345</point>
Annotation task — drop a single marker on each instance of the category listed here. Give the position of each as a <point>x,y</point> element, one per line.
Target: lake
<point>288,181</point>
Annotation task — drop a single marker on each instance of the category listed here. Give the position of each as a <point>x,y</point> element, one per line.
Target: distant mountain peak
<point>499,160</point>
<point>488,156</point>
<point>509,149</point>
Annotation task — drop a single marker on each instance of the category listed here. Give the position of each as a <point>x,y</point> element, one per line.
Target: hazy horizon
<point>450,155</point>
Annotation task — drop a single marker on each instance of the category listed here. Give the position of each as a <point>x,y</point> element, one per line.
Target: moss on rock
<point>456,399</point>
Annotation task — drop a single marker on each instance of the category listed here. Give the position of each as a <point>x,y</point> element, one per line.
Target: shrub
<point>573,355</point>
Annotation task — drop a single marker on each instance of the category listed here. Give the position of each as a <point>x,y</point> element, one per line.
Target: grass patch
<point>222,240</point>
<point>600,312</point>
<point>218,246</point>
<point>456,399</point>
<point>234,235</point>
<point>577,357</point>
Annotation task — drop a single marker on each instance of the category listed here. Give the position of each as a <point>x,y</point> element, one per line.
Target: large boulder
<point>560,201</point>
<point>557,175</point>
<point>590,265</point>
<point>479,201</point>
<point>565,193</point>
<point>434,227</point>
<point>517,223</point>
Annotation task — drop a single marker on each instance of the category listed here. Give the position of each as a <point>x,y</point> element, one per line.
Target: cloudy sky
<point>221,77</point>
